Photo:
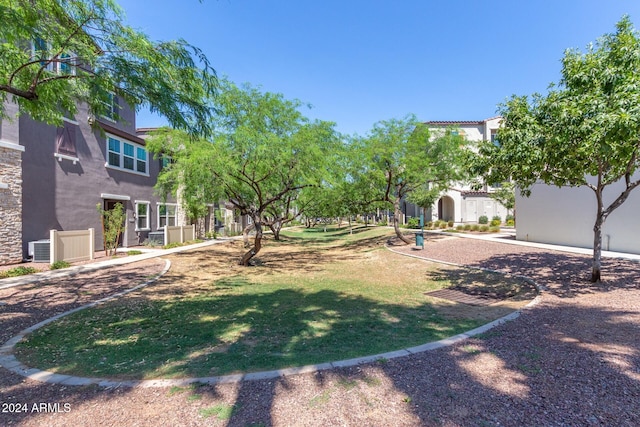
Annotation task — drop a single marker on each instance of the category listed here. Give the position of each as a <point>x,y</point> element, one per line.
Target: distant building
<point>460,203</point>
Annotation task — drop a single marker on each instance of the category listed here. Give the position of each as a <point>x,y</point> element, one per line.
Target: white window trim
<point>135,213</point>
<point>11,145</point>
<point>110,196</point>
<point>110,107</point>
<point>121,154</point>
<point>175,215</point>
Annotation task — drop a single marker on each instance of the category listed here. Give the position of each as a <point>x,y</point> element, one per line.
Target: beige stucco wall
<point>565,216</point>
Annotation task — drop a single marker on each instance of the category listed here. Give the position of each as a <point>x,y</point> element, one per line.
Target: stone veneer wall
<point>10,205</point>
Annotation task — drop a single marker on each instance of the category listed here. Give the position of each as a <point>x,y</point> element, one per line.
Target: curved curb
<point>8,361</point>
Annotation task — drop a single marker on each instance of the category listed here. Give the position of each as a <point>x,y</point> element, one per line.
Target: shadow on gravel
<point>567,275</point>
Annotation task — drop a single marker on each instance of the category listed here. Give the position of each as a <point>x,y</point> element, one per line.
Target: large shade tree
<point>402,158</point>
<point>584,132</point>
<point>263,152</point>
<point>54,53</point>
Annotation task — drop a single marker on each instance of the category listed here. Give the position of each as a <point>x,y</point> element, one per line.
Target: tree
<point>584,132</point>
<point>505,195</point>
<point>112,226</point>
<point>263,151</point>
<point>56,53</point>
<point>402,158</point>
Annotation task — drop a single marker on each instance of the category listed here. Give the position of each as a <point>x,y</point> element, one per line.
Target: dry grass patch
<point>312,299</point>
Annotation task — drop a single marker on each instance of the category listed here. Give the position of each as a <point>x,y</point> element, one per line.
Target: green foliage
<point>87,54</point>
<point>495,222</point>
<point>494,229</point>
<point>475,227</point>
<point>505,195</point>
<point>263,154</point>
<point>483,228</point>
<point>483,219</point>
<point>413,222</point>
<point>467,227</point>
<point>59,264</point>
<point>17,271</point>
<point>382,223</point>
<point>211,235</point>
<point>450,223</point>
<point>584,132</point>
<point>112,226</point>
<point>460,227</point>
<point>134,252</point>
<point>511,222</point>
<point>509,218</point>
<point>497,218</point>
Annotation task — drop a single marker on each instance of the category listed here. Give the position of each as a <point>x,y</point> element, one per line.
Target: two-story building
<point>460,203</point>
<point>58,177</point>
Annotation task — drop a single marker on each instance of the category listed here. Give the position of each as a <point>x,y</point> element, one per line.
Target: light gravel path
<point>574,359</point>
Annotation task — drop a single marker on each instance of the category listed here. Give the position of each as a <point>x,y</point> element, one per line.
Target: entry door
<point>472,211</point>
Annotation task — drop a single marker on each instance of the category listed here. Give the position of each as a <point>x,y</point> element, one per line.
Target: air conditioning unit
<point>39,250</point>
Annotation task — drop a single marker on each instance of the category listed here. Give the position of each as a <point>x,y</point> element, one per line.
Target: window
<point>64,63</point>
<point>112,108</point>
<point>142,215</point>
<point>494,140</point>
<point>126,155</point>
<point>167,215</point>
<point>165,161</point>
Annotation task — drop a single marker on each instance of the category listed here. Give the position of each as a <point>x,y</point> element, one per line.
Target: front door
<point>472,212</point>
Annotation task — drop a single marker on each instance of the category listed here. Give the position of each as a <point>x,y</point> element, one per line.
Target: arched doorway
<point>446,209</point>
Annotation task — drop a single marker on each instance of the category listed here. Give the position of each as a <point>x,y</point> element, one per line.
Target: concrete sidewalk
<point>56,274</point>
<point>508,237</point>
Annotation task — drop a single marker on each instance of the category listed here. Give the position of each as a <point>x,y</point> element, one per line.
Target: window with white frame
<point>167,214</point>
<point>142,215</point>
<point>126,155</point>
<point>112,107</point>
<point>64,63</point>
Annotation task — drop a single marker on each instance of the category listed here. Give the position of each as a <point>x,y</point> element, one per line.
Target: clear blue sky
<point>357,62</point>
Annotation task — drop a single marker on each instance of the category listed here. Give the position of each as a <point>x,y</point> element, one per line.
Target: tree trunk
<point>350,226</point>
<point>257,244</point>
<point>396,215</point>
<point>245,234</point>
<point>275,227</point>
<point>597,249</point>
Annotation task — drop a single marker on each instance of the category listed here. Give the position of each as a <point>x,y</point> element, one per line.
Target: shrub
<point>443,225</point>
<point>413,222</point>
<point>494,229</point>
<point>17,271</point>
<point>59,264</point>
<point>450,223</point>
<point>509,217</point>
<point>429,224</point>
<point>459,227</point>
<point>484,228</point>
<point>134,252</point>
<point>211,235</point>
<point>475,227</point>
<point>483,220</point>
<point>467,227</point>
<point>382,223</point>
<point>495,222</point>
<point>497,218</point>
<point>172,245</point>
<point>511,222</point>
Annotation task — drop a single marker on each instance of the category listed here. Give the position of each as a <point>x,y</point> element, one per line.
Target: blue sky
<point>358,62</point>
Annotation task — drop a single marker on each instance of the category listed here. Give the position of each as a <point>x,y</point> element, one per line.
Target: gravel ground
<point>572,360</point>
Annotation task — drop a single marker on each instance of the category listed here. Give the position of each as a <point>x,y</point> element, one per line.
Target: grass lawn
<point>313,297</point>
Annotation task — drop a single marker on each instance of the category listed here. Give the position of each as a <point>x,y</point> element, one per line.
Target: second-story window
<point>127,156</point>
